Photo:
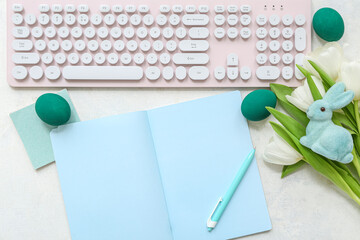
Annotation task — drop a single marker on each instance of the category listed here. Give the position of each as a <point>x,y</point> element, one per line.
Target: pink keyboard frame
<point>218,51</point>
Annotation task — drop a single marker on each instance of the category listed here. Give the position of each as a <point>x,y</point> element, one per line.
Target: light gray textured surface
<point>302,206</point>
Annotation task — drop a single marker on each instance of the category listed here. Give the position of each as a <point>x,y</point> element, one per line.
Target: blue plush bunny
<point>322,135</point>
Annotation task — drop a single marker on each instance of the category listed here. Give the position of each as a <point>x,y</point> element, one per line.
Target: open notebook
<point>158,174</point>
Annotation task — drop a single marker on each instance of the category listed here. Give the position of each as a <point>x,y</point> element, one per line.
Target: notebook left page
<point>110,179</point>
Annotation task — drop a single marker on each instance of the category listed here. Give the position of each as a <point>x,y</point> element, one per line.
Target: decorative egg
<point>253,105</point>
<point>328,24</point>
<point>52,109</point>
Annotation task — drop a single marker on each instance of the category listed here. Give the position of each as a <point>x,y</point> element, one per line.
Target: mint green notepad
<point>35,134</point>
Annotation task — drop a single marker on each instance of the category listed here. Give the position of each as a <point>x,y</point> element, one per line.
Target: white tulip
<point>278,151</point>
<point>350,75</point>
<point>328,57</point>
<point>302,98</point>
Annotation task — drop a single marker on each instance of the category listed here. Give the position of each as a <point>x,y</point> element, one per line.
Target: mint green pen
<point>223,202</point>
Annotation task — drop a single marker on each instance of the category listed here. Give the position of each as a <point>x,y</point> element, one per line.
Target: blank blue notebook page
<point>110,179</point>
<point>200,146</point>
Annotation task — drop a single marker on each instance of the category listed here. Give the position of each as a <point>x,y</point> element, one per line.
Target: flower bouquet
<point>308,110</point>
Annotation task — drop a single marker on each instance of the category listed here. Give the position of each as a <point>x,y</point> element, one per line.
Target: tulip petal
<point>350,76</point>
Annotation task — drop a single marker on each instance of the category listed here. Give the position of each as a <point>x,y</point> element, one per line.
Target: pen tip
<point>210,229</point>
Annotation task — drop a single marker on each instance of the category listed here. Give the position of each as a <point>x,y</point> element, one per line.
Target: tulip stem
<point>356,160</point>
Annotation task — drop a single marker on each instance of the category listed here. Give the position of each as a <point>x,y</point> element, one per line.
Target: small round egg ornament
<point>328,24</point>
<point>253,105</point>
<point>53,109</point>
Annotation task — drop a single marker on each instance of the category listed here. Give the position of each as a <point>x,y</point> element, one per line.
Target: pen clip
<point>211,223</point>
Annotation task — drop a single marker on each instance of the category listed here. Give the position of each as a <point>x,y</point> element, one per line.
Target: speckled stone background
<point>302,206</point>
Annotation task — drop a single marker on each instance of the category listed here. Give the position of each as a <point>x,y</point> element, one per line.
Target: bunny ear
<point>334,92</point>
<point>341,100</point>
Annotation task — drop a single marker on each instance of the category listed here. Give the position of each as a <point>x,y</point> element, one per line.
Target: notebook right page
<point>200,146</point>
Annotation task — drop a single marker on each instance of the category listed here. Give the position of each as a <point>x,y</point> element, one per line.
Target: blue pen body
<point>230,192</point>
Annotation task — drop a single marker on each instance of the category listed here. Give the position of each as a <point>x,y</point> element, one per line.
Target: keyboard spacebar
<point>124,73</point>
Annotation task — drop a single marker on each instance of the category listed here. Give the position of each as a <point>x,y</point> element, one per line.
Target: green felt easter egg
<point>253,105</point>
<point>52,109</point>
<point>328,24</point>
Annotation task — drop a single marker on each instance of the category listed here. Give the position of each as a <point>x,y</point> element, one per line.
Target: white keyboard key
<point>60,58</point>
<point>47,58</point>
<point>104,8</point>
<point>300,39</point>
<point>232,20</point>
<point>287,20</point>
<point>194,45</point>
<point>261,33</point>
<point>103,73</point>
<point>76,32</point>
<point>70,19</point>
<point>219,8</point>
<point>37,32</point>
<point>103,32</point>
<point>135,19</point>
<point>245,8</point>
<point>261,20</point>
<point>143,9</point>
<point>86,58</point>
<point>299,60</point>
<point>267,73</point>
<point>129,32</point>
<point>190,58</point>
<point>219,33</point>
<point>180,73</point>
<point>245,33</point>
<point>122,19</point>
<point>50,32</point>
<point>89,32</point>
<point>177,8</point>
<point>119,45</point>
<point>232,33</point>
<point>151,58</point>
<point>44,8</point>
<point>287,46</point>
<point>63,32</point>
<point>300,20</point>
<point>245,73</point>
<point>198,73</point>
<point>106,45</point>
<point>139,58</point>
<point>164,8</point>
<point>245,20</point>
<point>274,46</point>
<point>22,45</point>
<point>83,19</point>
<point>287,33</point>
<point>52,73</point>
<point>109,19</point>
<point>99,58</point>
<point>274,20</point>
<point>232,73</point>
<point>199,33</point>
<point>287,73</point>
<point>274,58</point>
<point>190,8</point>
<point>232,9</point>
<point>30,19</point>
<point>158,46</point>
<point>44,19</point>
<point>115,32</point>
<point>148,19</point>
<point>19,72</point>
<point>17,7</point>
<point>117,8</point>
<point>261,58</point>
<point>36,72</point>
<point>165,58</point>
<point>287,58</point>
<point>171,45</point>
<point>125,58</point>
<point>131,45</point>
<point>53,45</point>
<point>219,19</point>
<point>145,45</point>
<point>96,19</point>
<point>195,19</point>
<point>274,32</point>
<point>17,19</point>
<point>57,8</point>
<point>73,58</point>
<point>83,8</point>
<point>168,73</point>
<point>80,45</point>
<point>232,59</point>
<point>161,20</point>
<point>203,9</point>
<point>40,45</point>
<point>174,20</point>
<point>130,8</point>
<point>219,73</point>
<point>261,46</point>
<point>93,45</point>
<point>70,8</point>
<point>152,73</point>
<point>180,32</point>
<point>66,45</point>
<point>113,58</point>
<point>155,32</point>
<point>168,33</point>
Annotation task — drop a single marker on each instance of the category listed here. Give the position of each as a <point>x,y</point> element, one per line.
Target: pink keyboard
<point>140,43</point>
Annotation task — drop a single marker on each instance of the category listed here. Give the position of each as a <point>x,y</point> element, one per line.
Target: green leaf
<point>296,113</point>
<point>289,169</point>
<point>346,122</point>
<point>324,76</point>
<point>281,91</point>
<point>280,131</point>
<point>313,89</point>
